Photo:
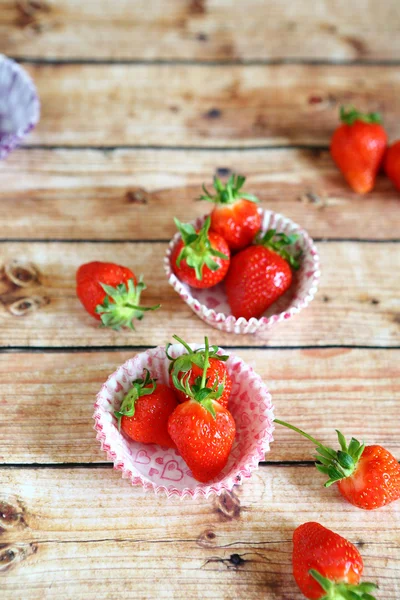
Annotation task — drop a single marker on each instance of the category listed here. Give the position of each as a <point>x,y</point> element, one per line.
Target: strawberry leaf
<point>350,115</point>
<point>228,193</point>
<point>281,244</point>
<point>336,464</point>
<point>140,387</point>
<point>121,305</point>
<point>343,591</point>
<point>197,249</point>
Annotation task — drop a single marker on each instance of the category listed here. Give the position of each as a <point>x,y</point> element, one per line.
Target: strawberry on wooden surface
<point>235,215</point>
<point>111,293</point>
<point>326,566</point>
<point>367,476</point>
<point>144,412</point>
<point>201,258</point>
<point>392,164</point>
<point>202,429</point>
<point>260,274</point>
<point>358,147</point>
<point>192,364</point>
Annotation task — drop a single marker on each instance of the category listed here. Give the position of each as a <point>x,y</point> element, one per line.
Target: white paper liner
<point>19,105</point>
<point>211,305</point>
<point>164,470</point>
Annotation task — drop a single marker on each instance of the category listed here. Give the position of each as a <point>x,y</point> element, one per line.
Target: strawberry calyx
<point>350,115</point>
<point>278,242</point>
<point>121,305</point>
<point>140,387</point>
<point>197,250</point>
<point>344,591</point>
<point>199,392</point>
<point>337,464</point>
<point>183,363</point>
<point>228,193</point>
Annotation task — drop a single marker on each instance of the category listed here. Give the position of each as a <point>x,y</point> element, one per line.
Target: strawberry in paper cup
<point>163,469</point>
<point>19,105</point>
<point>218,308</point>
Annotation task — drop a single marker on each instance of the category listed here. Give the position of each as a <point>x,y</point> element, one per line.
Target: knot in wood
<point>24,306</point>
<point>11,513</point>
<point>228,505</point>
<point>20,273</point>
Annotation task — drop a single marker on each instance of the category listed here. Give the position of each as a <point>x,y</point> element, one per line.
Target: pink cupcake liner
<point>163,470</point>
<point>211,305</point>
<point>19,105</point>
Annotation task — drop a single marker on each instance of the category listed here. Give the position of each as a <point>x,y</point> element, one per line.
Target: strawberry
<point>235,215</point>
<point>193,364</point>
<point>145,410</point>
<point>367,476</point>
<point>202,428</point>
<point>327,566</point>
<point>260,274</point>
<point>111,294</point>
<point>201,259</point>
<point>358,147</point>
<point>392,164</point>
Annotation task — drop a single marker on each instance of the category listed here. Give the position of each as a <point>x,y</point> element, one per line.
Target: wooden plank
<point>207,106</point>
<point>80,532</point>
<point>357,303</point>
<point>47,400</point>
<point>67,194</point>
<point>200,30</point>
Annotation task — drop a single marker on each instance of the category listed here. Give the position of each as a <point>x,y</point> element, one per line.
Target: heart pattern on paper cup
<point>211,304</point>
<point>163,470</point>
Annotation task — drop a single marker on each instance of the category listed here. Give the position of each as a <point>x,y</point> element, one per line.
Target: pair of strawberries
<point>255,274</point>
<point>325,565</point>
<point>190,415</point>
<point>359,149</point>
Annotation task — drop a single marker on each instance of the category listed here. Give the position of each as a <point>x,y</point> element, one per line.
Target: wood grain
<point>89,531</point>
<point>357,303</point>
<point>201,30</point>
<point>206,106</point>
<point>47,400</point>
<point>68,194</point>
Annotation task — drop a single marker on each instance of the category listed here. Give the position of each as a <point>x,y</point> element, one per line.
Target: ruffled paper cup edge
<point>241,325</point>
<point>201,490</point>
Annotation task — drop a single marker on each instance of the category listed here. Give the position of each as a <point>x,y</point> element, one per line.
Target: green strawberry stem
<point>229,193</point>
<point>336,464</point>
<point>278,242</point>
<point>199,392</point>
<point>140,387</point>
<point>183,363</point>
<point>344,591</point>
<point>121,305</point>
<point>350,115</point>
<point>197,250</point>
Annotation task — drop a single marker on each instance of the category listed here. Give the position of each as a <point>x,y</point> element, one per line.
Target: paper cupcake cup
<point>211,305</point>
<point>19,105</point>
<point>164,470</point>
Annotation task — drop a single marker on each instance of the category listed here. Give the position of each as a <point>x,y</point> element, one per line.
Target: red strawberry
<point>358,147</point>
<point>201,259</point>
<point>367,476</point>
<point>202,428</point>
<point>193,363</point>
<point>145,410</point>
<point>392,164</point>
<point>260,274</point>
<point>326,565</point>
<point>110,293</point>
<point>235,215</point>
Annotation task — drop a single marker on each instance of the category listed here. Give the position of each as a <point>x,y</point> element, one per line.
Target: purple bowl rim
<point>16,137</point>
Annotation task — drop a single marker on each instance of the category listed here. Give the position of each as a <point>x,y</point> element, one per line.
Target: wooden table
<point>141,103</point>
